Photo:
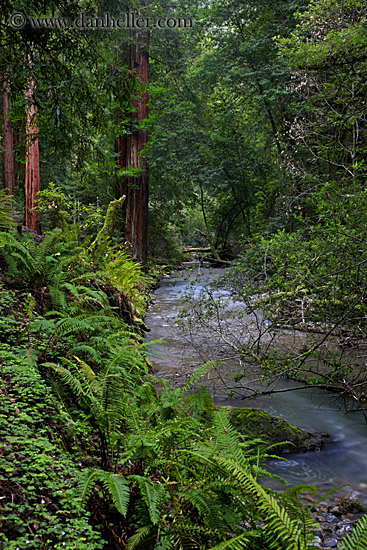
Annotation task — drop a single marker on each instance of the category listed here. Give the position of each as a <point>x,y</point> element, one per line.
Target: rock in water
<point>259,424</point>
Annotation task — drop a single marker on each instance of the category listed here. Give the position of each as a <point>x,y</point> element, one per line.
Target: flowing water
<point>342,462</point>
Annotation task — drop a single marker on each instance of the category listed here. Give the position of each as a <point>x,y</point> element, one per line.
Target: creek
<point>341,462</point>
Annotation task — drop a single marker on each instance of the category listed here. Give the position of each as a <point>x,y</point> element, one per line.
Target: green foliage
<point>127,275</point>
<point>358,539</point>
<point>54,206</point>
<point>230,154</point>
<point>40,508</point>
<point>114,484</point>
<point>178,483</point>
<point>282,528</point>
<point>102,371</point>
<point>57,209</point>
<point>216,122</point>
<point>238,543</point>
<point>55,270</point>
<point>29,261</point>
<point>6,208</point>
<point>166,465</point>
<point>104,395</point>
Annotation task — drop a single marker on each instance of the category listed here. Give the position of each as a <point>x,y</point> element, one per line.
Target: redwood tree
<point>136,186</point>
<point>9,177</point>
<point>32,171</point>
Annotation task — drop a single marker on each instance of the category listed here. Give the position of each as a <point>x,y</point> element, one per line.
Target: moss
<point>111,220</point>
<point>257,423</point>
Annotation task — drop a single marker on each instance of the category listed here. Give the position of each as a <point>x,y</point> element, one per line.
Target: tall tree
<point>32,169</point>
<point>130,149</point>
<point>9,171</point>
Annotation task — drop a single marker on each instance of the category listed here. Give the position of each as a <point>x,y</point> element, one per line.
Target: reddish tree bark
<point>9,166</point>
<point>18,167</point>
<point>121,149</point>
<point>32,172</point>
<point>130,150</point>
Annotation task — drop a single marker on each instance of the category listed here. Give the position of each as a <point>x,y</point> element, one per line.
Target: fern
<point>208,505</point>
<point>227,453</point>
<point>197,375</point>
<point>297,510</point>
<point>118,490</point>
<point>183,533</point>
<point>115,485</point>
<point>358,539</point>
<point>126,275</point>
<point>87,297</point>
<point>242,542</point>
<point>138,537</point>
<point>16,254</point>
<point>281,527</point>
<point>6,207</point>
<point>86,349</point>
<point>86,484</point>
<point>57,291</point>
<point>227,440</point>
<point>88,373</point>
<point>152,496</point>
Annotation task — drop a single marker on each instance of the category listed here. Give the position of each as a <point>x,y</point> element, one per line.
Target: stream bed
<point>344,461</point>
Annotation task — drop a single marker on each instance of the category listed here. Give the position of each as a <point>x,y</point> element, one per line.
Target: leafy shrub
<point>57,210</point>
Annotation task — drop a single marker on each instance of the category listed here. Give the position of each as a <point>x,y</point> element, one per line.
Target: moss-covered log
<point>110,222</point>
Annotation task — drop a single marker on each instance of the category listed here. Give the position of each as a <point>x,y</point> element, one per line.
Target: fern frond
<point>138,537</point>
<point>57,294</point>
<point>118,489</point>
<point>70,325</point>
<point>197,375</point>
<point>87,371</point>
<point>69,378</point>
<point>88,295</point>
<point>208,506</point>
<point>358,539</point>
<point>88,276</point>
<point>152,495</point>
<point>281,527</point>
<point>86,484</point>
<point>81,347</point>
<point>12,248</point>
<point>116,486</point>
<point>6,207</point>
<point>227,439</point>
<point>85,392</point>
<point>242,542</point>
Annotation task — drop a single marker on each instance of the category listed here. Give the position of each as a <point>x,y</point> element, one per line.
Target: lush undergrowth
<point>92,456</point>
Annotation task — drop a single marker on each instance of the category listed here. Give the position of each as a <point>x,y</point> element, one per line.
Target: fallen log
<point>200,249</point>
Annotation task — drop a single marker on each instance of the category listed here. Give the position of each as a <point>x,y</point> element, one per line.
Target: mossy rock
<point>259,424</point>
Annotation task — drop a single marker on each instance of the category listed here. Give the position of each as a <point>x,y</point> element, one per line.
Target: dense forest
<point>134,137</point>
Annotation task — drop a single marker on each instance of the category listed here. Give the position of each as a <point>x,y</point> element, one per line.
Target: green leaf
<point>119,490</point>
<point>151,495</point>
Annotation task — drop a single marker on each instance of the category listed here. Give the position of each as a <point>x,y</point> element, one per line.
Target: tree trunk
<point>32,172</point>
<point>9,167</point>
<point>130,148</point>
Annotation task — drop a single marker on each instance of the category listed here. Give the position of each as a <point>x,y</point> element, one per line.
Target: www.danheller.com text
<point>129,20</point>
